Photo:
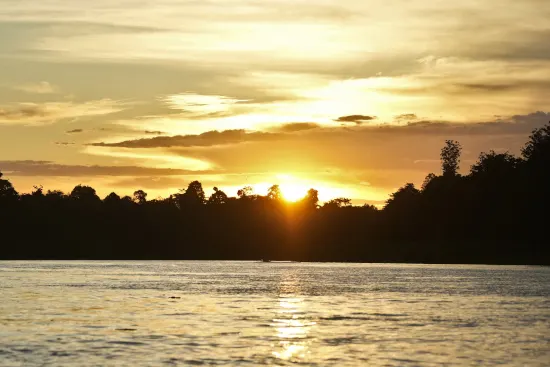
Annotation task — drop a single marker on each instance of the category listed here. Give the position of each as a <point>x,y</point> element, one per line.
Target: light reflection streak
<point>292,325</point>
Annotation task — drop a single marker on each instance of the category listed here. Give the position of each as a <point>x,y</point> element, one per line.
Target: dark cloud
<point>297,126</point>
<point>117,129</point>
<point>406,117</point>
<point>358,119</point>
<point>487,87</point>
<point>470,89</point>
<point>535,118</point>
<point>47,112</point>
<point>515,125</point>
<point>207,139</point>
<point>64,143</point>
<point>388,152</point>
<point>47,168</point>
<point>24,111</point>
<point>122,129</point>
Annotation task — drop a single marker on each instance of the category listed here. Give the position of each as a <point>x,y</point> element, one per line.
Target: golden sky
<point>352,97</point>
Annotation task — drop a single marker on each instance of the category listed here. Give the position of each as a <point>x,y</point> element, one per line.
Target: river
<point>107,313</point>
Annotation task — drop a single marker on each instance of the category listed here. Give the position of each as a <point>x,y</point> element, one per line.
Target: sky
<point>352,97</point>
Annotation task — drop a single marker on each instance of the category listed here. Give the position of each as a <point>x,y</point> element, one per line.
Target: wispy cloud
<point>47,168</point>
<point>200,103</point>
<point>513,125</point>
<point>207,139</point>
<point>38,88</point>
<point>388,153</point>
<point>150,156</point>
<point>49,112</point>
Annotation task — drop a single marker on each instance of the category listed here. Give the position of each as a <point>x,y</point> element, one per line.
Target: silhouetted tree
<point>192,196</point>
<point>55,193</point>
<point>405,197</point>
<point>85,193</point>
<point>6,189</point>
<point>112,199</point>
<point>495,165</point>
<point>337,203</point>
<point>245,192</point>
<point>429,178</point>
<point>537,149</point>
<point>140,197</point>
<point>311,200</point>
<point>450,157</point>
<point>55,197</point>
<point>274,193</point>
<point>218,197</point>
<point>495,214</point>
<point>38,191</point>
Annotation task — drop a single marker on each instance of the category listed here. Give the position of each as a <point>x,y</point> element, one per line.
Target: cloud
<point>199,102</point>
<point>536,118</point>
<point>386,152</point>
<point>38,88</point>
<point>489,87</point>
<point>514,125</point>
<point>358,119</point>
<point>47,168</point>
<point>74,131</point>
<point>406,117</point>
<point>49,112</point>
<point>154,132</point>
<point>207,139</point>
<point>296,127</point>
<point>385,156</point>
<point>63,143</point>
<point>194,106</point>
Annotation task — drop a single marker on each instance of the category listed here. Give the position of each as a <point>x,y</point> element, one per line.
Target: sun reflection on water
<point>291,325</point>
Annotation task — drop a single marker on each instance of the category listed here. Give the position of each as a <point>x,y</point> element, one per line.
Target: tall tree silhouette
<point>450,157</point>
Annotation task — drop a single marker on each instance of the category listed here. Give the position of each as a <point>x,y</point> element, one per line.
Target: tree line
<point>496,214</point>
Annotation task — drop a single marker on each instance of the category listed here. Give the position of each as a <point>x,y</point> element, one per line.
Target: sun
<point>293,191</point>
<point>292,188</point>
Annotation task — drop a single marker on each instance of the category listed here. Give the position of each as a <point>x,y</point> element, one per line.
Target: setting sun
<point>291,188</point>
<point>293,191</point>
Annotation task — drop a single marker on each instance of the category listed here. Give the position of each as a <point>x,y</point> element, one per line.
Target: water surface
<point>252,313</point>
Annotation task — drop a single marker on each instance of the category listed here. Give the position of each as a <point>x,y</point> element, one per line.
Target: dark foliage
<point>495,214</point>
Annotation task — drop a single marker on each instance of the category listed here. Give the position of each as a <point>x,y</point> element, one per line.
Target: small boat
<point>266,261</point>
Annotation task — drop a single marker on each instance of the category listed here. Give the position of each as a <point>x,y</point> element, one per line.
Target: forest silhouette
<point>496,214</point>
